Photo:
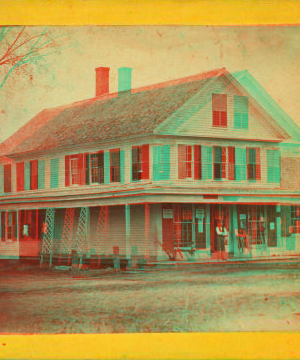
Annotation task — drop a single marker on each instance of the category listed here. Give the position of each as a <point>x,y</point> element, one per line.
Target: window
<point>253,164</point>
<point>115,175</point>
<point>273,166</point>
<point>75,169</point>
<point>241,106</point>
<point>295,217</point>
<point>220,164</point>
<point>136,163</point>
<point>97,167</point>
<point>11,225</point>
<point>7,178</point>
<point>185,161</point>
<point>33,175</point>
<point>140,162</point>
<point>257,225</point>
<point>219,109</point>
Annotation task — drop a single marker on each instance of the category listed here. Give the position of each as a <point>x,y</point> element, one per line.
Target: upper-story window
<point>75,169</point>
<point>7,178</point>
<point>273,166</point>
<point>241,110</point>
<point>253,164</point>
<point>220,162</point>
<point>140,162</point>
<point>97,167</point>
<point>219,110</point>
<point>115,170</point>
<point>189,162</point>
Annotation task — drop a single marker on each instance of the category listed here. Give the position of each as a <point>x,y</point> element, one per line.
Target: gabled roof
<point>253,87</point>
<point>111,117</point>
<point>120,116</point>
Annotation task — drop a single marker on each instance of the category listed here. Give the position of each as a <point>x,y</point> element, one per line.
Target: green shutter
<point>122,165</point>
<point>161,162</point>
<point>240,164</point>
<point>241,111</point>
<point>273,166</point>
<point>106,167</point>
<point>27,176</point>
<point>54,170</point>
<point>245,121</point>
<point>41,174</point>
<point>207,158</point>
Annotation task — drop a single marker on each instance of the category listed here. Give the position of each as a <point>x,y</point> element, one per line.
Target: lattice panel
<point>47,247</point>
<point>66,241</point>
<point>102,228</point>
<point>82,244</point>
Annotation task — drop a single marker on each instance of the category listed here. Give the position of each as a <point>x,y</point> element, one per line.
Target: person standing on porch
<point>221,234</point>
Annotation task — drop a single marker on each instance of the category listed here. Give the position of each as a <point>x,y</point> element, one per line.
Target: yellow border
<point>122,12</point>
<point>150,346</point>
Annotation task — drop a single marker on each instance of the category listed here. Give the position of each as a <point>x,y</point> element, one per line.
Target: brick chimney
<point>124,80</point>
<point>102,80</point>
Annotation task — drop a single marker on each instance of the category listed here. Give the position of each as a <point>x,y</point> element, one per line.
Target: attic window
<point>219,110</point>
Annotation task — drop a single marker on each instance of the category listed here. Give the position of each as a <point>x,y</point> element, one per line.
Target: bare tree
<point>23,47</point>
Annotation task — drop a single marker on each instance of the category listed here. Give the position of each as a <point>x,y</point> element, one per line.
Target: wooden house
<point>197,168</point>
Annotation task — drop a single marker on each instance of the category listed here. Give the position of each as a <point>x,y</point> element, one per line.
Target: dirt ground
<point>204,297</point>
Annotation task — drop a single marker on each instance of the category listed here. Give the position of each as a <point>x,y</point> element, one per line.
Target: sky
<point>155,53</point>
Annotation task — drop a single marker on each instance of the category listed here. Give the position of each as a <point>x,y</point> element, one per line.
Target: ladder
<point>47,247</point>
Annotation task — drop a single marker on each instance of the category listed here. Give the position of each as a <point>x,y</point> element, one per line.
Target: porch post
<point>207,229</point>
<point>18,233</point>
<point>278,226</point>
<point>127,222</point>
<point>233,245</point>
<point>147,224</point>
<point>193,227</point>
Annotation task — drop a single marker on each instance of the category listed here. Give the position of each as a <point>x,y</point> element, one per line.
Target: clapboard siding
<point>9,249</point>
<point>195,118</point>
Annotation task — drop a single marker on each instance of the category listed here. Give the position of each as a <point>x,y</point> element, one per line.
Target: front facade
<point>199,168</point>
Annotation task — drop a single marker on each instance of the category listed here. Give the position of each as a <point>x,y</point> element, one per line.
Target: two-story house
<point>200,167</point>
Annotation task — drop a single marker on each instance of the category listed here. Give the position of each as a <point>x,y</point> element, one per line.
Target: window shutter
<point>273,166</point>
<point>224,161</point>
<point>245,121</point>
<point>33,175</point>
<point>54,170</point>
<point>122,165</point>
<point>165,159</point>
<point>67,170</point>
<point>81,169</point>
<point>197,162</point>
<point>20,176</point>
<point>257,164</point>
<point>87,168</point>
<point>15,228</point>
<point>101,166</point>
<point>156,159</point>
<point>41,174</point>
<point>107,167</point>
<point>27,176</point>
<point>7,178</point>
<point>231,163</point>
<point>145,162</point>
<point>181,161</point>
<point>3,225</point>
<point>278,166</point>
<point>240,164</point>
<point>207,157</point>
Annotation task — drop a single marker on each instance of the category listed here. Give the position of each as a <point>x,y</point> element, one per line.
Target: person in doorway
<point>221,234</point>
